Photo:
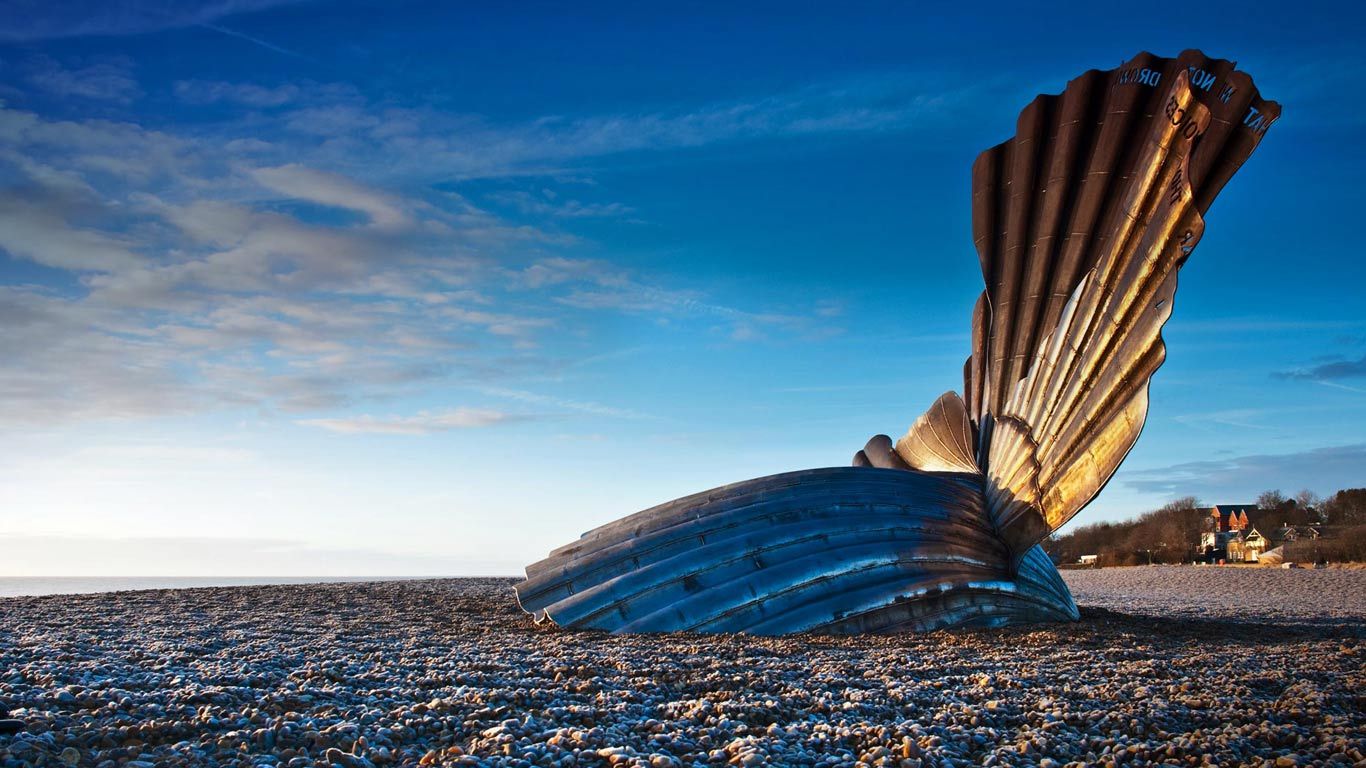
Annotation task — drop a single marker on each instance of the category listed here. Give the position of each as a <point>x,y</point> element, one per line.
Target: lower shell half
<point>837,550</point>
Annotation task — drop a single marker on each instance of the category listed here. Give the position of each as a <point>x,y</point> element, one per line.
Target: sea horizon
<point>37,586</point>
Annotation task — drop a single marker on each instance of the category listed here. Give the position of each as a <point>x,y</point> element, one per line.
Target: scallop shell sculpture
<point>1082,222</point>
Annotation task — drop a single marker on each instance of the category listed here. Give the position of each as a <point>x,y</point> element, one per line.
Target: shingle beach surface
<point>1177,666</point>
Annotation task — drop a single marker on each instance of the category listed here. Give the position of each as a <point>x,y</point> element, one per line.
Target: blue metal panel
<point>833,550</point>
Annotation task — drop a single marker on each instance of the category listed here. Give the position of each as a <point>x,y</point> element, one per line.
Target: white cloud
<point>594,285</point>
<point>66,360</point>
<point>420,424</point>
<point>249,94</point>
<point>104,151</point>
<point>1246,418</point>
<point>109,79</point>
<point>562,403</point>
<point>194,282</point>
<point>397,140</point>
<point>556,270</point>
<point>33,227</point>
<point>331,189</point>
<point>218,302</point>
<point>547,204</point>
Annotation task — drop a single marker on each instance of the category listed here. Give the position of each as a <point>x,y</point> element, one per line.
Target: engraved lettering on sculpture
<point>1201,79</point>
<point>1142,76</point>
<point>1257,121</point>
<point>1182,118</point>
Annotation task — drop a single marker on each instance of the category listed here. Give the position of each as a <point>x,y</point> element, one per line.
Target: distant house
<point>1231,517</point>
<point>1243,546</point>
<point>1231,535</point>
<point>1088,559</point>
<point>1288,533</point>
<point>1227,533</point>
<point>1254,544</point>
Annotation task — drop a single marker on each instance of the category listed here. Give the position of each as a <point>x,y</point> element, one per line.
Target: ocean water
<point>17,586</point>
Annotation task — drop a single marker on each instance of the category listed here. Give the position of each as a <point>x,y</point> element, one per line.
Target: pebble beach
<point>1171,666</point>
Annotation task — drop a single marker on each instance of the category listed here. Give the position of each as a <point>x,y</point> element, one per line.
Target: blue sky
<point>398,288</point>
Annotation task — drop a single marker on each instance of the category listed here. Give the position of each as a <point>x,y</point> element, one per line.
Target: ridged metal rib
<point>1046,201</point>
<point>941,440</point>
<point>824,550</point>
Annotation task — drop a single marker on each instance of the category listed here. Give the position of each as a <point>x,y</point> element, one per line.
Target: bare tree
<point>1307,499</point>
<point>1183,504</point>
<point>1270,500</point>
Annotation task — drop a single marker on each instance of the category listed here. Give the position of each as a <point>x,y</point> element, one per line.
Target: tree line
<point>1171,534</point>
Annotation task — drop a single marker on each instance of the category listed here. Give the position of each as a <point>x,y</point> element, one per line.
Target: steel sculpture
<point>1081,222</point>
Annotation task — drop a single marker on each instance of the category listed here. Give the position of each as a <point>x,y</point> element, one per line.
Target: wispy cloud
<point>247,94</point>
<point>1246,418</point>
<point>222,30</point>
<point>104,79</point>
<point>823,389</point>
<point>310,254</point>
<point>1241,477</point>
<point>194,291</point>
<point>302,183</point>
<point>1344,387</point>
<point>594,285</point>
<point>424,423</point>
<point>33,20</point>
<point>408,140</point>
<point>202,279</point>
<point>548,203</point>
<point>562,403</point>
<point>41,224</point>
<point>1332,371</point>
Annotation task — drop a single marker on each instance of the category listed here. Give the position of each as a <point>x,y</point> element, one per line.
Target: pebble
<point>450,672</point>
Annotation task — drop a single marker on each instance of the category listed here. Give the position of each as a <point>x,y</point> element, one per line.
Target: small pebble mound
<point>441,673</point>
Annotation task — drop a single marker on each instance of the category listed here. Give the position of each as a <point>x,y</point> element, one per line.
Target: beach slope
<point>1167,666</point>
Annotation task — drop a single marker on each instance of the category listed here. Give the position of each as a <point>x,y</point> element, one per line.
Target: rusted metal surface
<point>1082,221</point>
